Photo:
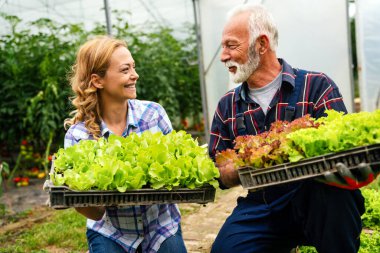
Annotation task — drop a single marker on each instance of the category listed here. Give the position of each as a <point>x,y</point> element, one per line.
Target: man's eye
<point>231,46</point>
<point>125,70</point>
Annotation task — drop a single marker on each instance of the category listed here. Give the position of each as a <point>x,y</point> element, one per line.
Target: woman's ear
<point>97,81</point>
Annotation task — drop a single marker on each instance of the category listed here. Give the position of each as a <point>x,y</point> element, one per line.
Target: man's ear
<point>97,81</point>
<point>264,44</point>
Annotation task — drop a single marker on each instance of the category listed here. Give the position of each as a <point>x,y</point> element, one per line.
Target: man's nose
<point>224,56</point>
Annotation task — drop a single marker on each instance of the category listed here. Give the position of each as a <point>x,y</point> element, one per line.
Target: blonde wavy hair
<point>93,57</point>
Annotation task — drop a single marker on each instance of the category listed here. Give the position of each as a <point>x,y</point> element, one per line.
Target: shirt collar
<point>131,121</point>
<point>288,76</point>
<point>288,73</point>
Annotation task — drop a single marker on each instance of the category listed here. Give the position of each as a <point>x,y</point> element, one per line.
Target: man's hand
<point>228,163</point>
<point>361,176</point>
<point>229,175</point>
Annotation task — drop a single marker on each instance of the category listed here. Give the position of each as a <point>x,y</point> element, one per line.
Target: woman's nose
<point>134,75</point>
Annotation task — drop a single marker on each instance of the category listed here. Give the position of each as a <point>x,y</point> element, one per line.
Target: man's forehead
<point>236,28</point>
<point>240,20</point>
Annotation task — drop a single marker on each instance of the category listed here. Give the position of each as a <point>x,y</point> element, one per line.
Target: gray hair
<point>260,22</point>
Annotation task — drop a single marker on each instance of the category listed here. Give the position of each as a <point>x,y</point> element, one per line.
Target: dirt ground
<point>200,223</point>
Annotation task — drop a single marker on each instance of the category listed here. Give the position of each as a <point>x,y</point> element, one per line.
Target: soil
<point>200,223</point>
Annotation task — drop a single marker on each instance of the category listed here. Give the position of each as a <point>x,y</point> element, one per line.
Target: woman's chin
<point>132,96</point>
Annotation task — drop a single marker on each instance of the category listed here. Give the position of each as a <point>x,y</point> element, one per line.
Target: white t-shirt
<point>264,95</point>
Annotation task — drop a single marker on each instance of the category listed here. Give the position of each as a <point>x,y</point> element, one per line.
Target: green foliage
<point>338,132</point>
<point>33,76</point>
<point>370,242</point>
<point>33,67</point>
<point>159,161</point>
<point>308,249</point>
<point>371,218</point>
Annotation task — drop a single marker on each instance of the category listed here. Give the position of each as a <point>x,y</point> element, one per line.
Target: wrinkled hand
<point>229,175</point>
<point>345,178</point>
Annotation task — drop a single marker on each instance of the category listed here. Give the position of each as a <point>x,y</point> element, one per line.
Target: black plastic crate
<point>62,197</point>
<point>253,178</point>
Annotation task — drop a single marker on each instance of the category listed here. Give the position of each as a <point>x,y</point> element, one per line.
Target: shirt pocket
<point>127,220</point>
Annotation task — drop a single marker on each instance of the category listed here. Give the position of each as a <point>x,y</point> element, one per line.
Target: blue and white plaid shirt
<point>132,225</point>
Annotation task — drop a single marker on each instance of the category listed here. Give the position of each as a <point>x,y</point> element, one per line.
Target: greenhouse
<point>190,126</point>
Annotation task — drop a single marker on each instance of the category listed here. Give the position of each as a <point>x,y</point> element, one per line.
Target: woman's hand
<point>93,213</point>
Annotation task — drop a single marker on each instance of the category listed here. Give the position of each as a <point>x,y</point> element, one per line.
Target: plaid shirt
<point>318,93</point>
<point>132,225</point>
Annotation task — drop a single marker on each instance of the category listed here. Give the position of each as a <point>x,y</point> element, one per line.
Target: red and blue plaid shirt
<point>317,93</point>
<point>131,226</point>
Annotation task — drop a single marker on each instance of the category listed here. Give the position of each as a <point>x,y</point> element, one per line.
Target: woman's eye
<point>125,70</point>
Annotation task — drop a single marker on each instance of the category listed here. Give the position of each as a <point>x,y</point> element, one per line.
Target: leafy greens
<point>148,160</point>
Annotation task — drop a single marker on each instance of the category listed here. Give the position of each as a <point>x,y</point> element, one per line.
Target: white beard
<point>244,71</point>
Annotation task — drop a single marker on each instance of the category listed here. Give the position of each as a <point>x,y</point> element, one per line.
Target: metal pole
<point>201,73</point>
<point>108,17</point>
<point>351,75</point>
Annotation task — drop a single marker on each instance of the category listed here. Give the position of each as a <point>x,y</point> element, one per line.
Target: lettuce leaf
<point>147,160</point>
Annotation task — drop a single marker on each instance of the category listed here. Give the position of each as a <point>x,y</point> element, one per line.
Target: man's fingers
<point>345,178</point>
<point>365,170</point>
<point>344,171</point>
<point>333,178</point>
<point>364,175</point>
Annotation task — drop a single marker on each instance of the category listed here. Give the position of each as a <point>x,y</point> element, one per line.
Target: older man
<point>278,218</point>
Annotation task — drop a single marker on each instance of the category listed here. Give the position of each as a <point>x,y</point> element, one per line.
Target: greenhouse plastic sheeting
<point>368,50</point>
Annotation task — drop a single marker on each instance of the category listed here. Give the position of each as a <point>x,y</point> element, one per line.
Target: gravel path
<point>200,226</point>
<point>23,198</point>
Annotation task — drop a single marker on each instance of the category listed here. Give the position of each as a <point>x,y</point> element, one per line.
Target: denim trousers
<point>318,215</point>
<point>98,243</point>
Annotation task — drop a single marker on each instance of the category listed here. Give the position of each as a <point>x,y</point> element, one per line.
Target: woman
<point>104,83</point>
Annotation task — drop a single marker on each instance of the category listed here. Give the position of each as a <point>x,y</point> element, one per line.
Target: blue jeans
<point>317,214</point>
<point>98,243</point>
